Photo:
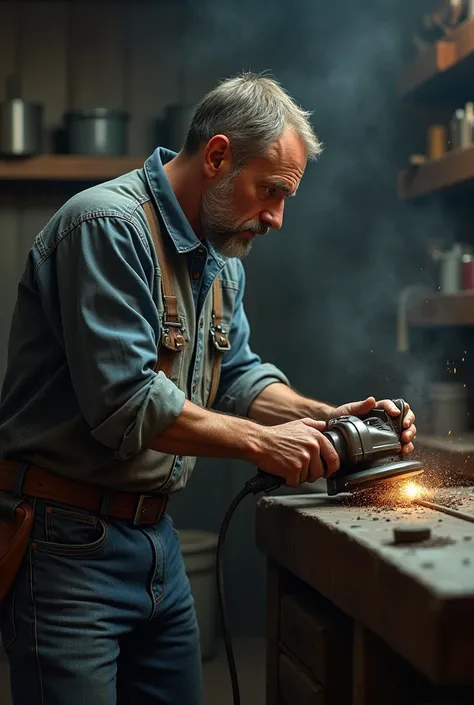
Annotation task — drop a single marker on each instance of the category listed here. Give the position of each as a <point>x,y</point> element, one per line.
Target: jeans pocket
<point>7,621</point>
<point>71,533</point>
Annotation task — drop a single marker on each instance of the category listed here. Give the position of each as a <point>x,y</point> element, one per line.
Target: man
<point>129,308</point>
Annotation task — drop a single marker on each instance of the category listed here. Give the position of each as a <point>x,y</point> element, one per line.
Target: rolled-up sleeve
<point>243,375</point>
<point>110,329</point>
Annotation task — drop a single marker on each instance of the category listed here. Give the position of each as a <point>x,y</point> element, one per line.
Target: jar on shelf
<point>468,271</point>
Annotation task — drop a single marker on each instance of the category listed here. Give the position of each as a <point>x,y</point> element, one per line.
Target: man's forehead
<point>288,149</point>
<point>280,162</point>
<point>285,175</point>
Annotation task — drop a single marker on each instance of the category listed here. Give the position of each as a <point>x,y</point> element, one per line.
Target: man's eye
<point>271,191</point>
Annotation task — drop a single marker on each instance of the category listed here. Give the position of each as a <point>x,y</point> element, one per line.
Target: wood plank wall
<point>79,54</point>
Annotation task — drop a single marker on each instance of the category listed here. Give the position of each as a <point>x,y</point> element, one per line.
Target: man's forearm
<point>199,432</point>
<point>278,403</point>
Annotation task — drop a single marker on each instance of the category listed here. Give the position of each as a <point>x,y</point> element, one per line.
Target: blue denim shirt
<point>81,395</point>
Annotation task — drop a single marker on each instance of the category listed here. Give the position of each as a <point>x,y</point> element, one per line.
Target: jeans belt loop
<point>19,480</point>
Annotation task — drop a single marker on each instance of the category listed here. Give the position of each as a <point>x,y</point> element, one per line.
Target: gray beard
<point>219,221</point>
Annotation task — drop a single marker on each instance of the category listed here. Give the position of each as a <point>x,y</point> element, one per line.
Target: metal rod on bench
<point>445,510</point>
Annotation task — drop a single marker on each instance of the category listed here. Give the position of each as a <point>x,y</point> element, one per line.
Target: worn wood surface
<point>419,599</point>
<point>444,309</point>
<point>296,687</point>
<point>454,169</point>
<point>380,676</point>
<point>426,66</point>
<point>59,167</point>
<point>320,637</point>
<point>274,592</point>
<point>449,455</point>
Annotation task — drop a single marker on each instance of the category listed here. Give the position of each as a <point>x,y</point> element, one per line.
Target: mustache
<point>254,226</point>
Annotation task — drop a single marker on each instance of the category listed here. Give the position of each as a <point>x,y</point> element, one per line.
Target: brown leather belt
<point>44,484</point>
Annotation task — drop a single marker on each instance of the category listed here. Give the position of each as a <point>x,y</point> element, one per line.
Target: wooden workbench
<point>354,619</point>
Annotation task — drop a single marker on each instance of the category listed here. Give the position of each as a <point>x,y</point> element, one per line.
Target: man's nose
<point>273,216</point>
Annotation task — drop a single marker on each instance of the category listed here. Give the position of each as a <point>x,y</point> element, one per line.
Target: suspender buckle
<point>172,336</point>
<point>219,337</point>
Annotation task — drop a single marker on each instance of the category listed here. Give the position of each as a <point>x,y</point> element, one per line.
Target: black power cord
<point>260,483</point>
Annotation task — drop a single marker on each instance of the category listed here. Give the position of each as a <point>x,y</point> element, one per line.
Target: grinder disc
<point>390,472</point>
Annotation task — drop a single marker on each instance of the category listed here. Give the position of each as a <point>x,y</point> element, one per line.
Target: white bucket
<point>199,554</point>
<point>449,411</point>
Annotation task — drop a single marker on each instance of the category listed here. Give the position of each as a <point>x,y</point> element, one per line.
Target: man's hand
<point>360,408</point>
<point>296,451</point>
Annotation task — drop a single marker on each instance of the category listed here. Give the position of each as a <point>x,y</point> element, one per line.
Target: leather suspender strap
<point>172,339</point>
<point>219,336</point>
<point>217,312</point>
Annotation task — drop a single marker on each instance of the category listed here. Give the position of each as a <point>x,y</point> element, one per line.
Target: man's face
<point>249,202</point>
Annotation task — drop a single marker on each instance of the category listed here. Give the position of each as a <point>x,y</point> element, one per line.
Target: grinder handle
<point>397,421</point>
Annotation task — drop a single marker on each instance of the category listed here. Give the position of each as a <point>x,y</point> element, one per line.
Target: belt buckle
<point>139,509</point>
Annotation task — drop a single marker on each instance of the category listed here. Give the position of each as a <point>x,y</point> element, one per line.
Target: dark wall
<point>321,293</point>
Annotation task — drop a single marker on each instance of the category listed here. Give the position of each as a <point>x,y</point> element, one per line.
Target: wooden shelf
<point>56,167</point>
<point>443,310</point>
<point>455,168</point>
<point>444,69</point>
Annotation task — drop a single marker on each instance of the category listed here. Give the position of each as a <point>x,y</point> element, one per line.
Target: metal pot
<point>97,131</point>
<point>21,124</point>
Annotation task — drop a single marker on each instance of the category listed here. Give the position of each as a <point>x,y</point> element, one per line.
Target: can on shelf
<point>468,271</point>
<point>436,147</point>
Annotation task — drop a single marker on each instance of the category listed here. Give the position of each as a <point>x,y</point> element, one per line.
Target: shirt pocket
<point>229,290</point>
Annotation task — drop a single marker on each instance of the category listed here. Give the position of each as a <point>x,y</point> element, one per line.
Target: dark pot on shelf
<point>97,131</point>
<point>21,124</point>
<point>175,125</point>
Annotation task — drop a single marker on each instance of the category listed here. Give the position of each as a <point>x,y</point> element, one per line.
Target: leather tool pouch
<point>16,524</point>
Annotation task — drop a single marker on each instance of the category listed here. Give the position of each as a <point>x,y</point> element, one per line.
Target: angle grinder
<point>369,450</point>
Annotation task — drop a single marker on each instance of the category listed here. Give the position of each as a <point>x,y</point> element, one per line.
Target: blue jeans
<point>101,614</point>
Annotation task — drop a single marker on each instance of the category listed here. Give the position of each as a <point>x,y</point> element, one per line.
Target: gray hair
<point>252,111</point>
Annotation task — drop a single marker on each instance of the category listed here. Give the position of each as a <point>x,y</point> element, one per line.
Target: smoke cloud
<point>331,279</point>
<point>328,284</point>
<point>322,293</point>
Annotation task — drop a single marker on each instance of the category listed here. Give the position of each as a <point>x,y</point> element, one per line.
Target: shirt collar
<point>175,222</point>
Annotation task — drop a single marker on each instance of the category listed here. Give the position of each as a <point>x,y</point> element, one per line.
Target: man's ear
<point>217,157</point>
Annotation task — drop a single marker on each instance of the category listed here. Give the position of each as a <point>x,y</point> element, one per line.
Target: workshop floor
<point>250,660</point>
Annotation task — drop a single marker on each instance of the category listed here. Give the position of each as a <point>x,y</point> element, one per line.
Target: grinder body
<point>369,450</point>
